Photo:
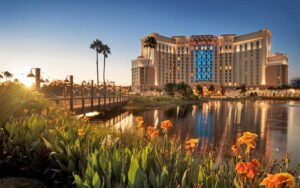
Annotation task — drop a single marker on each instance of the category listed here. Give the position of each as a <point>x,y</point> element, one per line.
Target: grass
<point>139,102</point>
<point>249,98</point>
<point>41,141</point>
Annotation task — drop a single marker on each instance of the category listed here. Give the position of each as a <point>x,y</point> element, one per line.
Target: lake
<point>220,123</point>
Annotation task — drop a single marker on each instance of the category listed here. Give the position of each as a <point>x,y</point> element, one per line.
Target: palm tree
<point>97,46</point>
<point>105,51</point>
<point>7,75</point>
<point>149,43</point>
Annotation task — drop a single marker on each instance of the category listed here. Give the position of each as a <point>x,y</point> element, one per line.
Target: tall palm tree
<point>97,45</point>
<point>105,51</point>
<point>149,43</point>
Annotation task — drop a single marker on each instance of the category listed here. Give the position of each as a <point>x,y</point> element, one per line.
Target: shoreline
<point>151,102</point>
<point>251,98</point>
<point>166,101</point>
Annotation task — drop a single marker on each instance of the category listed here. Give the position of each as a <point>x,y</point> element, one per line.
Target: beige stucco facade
<point>227,60</point>
<point>277,70</point>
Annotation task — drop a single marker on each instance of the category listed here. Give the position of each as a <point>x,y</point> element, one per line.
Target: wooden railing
<point>90,103</point>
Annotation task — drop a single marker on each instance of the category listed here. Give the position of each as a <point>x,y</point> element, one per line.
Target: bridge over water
<point>81,105</point>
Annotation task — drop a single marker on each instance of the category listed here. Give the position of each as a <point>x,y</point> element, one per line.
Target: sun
<point>28,82</point>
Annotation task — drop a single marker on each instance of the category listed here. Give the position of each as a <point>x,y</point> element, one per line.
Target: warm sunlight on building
<point>222,60</point>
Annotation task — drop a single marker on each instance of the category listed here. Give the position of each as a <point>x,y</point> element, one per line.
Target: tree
<point>199,90</point>
<point>211,88</point>
<point>223,90</point>
<point>243,89</point>
<point>183,89</point>
<point>98,47</point>
<point>295,82</point>
<point>170,88</point>
<point>7,75</point>
<point>105,52</point>
<point>149,43</point>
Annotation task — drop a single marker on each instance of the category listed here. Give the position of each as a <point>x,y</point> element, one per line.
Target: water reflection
<point>221,122</point>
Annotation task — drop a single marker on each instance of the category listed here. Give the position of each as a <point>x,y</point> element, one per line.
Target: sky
<point>55,35</point>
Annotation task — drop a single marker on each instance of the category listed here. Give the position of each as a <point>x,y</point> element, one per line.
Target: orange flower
<point>241,168</point>
<point>252,168</point>
<point>153,132</point>
<point>139,120</point>
<point>191,144</point>
<point>25,111</point>
<point>248,168</point>
<point>85,119</point>
<point>165,125</point>
<point>236,149</point>
<point>81,132</point>
<point>279,180</point>
<point>249,139</point>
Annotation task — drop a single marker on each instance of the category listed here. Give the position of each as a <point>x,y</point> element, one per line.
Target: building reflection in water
<point>220,123</point>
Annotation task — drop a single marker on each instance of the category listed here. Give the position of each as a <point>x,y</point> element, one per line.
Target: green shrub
<point>42,141</point>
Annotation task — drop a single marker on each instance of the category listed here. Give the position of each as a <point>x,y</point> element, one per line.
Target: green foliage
<point>181,89</point>
<point>199,90</point>
<point>170,89</point>
<point>223,90</point>
<point>242,88</point>
<point>15,98</point>
<point>47,143</point>
<point>295,82</point>
<point>211,88</point>
<point>150,42</point>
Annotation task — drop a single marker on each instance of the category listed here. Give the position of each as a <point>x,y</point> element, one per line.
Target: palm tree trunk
<point>149,54</point>
<point>104,83</point>
<point>97,70</point>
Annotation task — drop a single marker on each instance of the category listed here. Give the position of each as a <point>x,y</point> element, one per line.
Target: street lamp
<point>70,80</point>
<point>30,75</point>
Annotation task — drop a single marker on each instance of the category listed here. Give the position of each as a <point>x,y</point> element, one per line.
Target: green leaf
<point>184,182</point>
<point>135,174</point>
<point>152,178</point>
<point>164,178</point>
<point>96,181</point>
<point>201,175</point>
<point>78,181</point>
<point>48,144</point>
<point>89,173</point>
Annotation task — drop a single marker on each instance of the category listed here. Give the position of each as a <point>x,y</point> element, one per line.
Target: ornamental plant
<point>40,140</point>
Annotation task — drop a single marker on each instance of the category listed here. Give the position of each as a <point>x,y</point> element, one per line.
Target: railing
<point>90,103</point>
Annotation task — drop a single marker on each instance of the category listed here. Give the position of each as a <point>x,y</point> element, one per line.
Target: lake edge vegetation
<point>43,141</point>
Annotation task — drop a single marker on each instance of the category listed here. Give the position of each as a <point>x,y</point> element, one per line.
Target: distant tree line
<point>180,89</point>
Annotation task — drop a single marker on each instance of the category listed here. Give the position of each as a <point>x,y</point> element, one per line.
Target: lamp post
<point>82,95</point>
<point>71,90</point>
<point>92,95</point>
<point>37,76</point>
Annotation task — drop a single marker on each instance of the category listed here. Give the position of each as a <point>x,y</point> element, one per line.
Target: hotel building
<point>228,60</point>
